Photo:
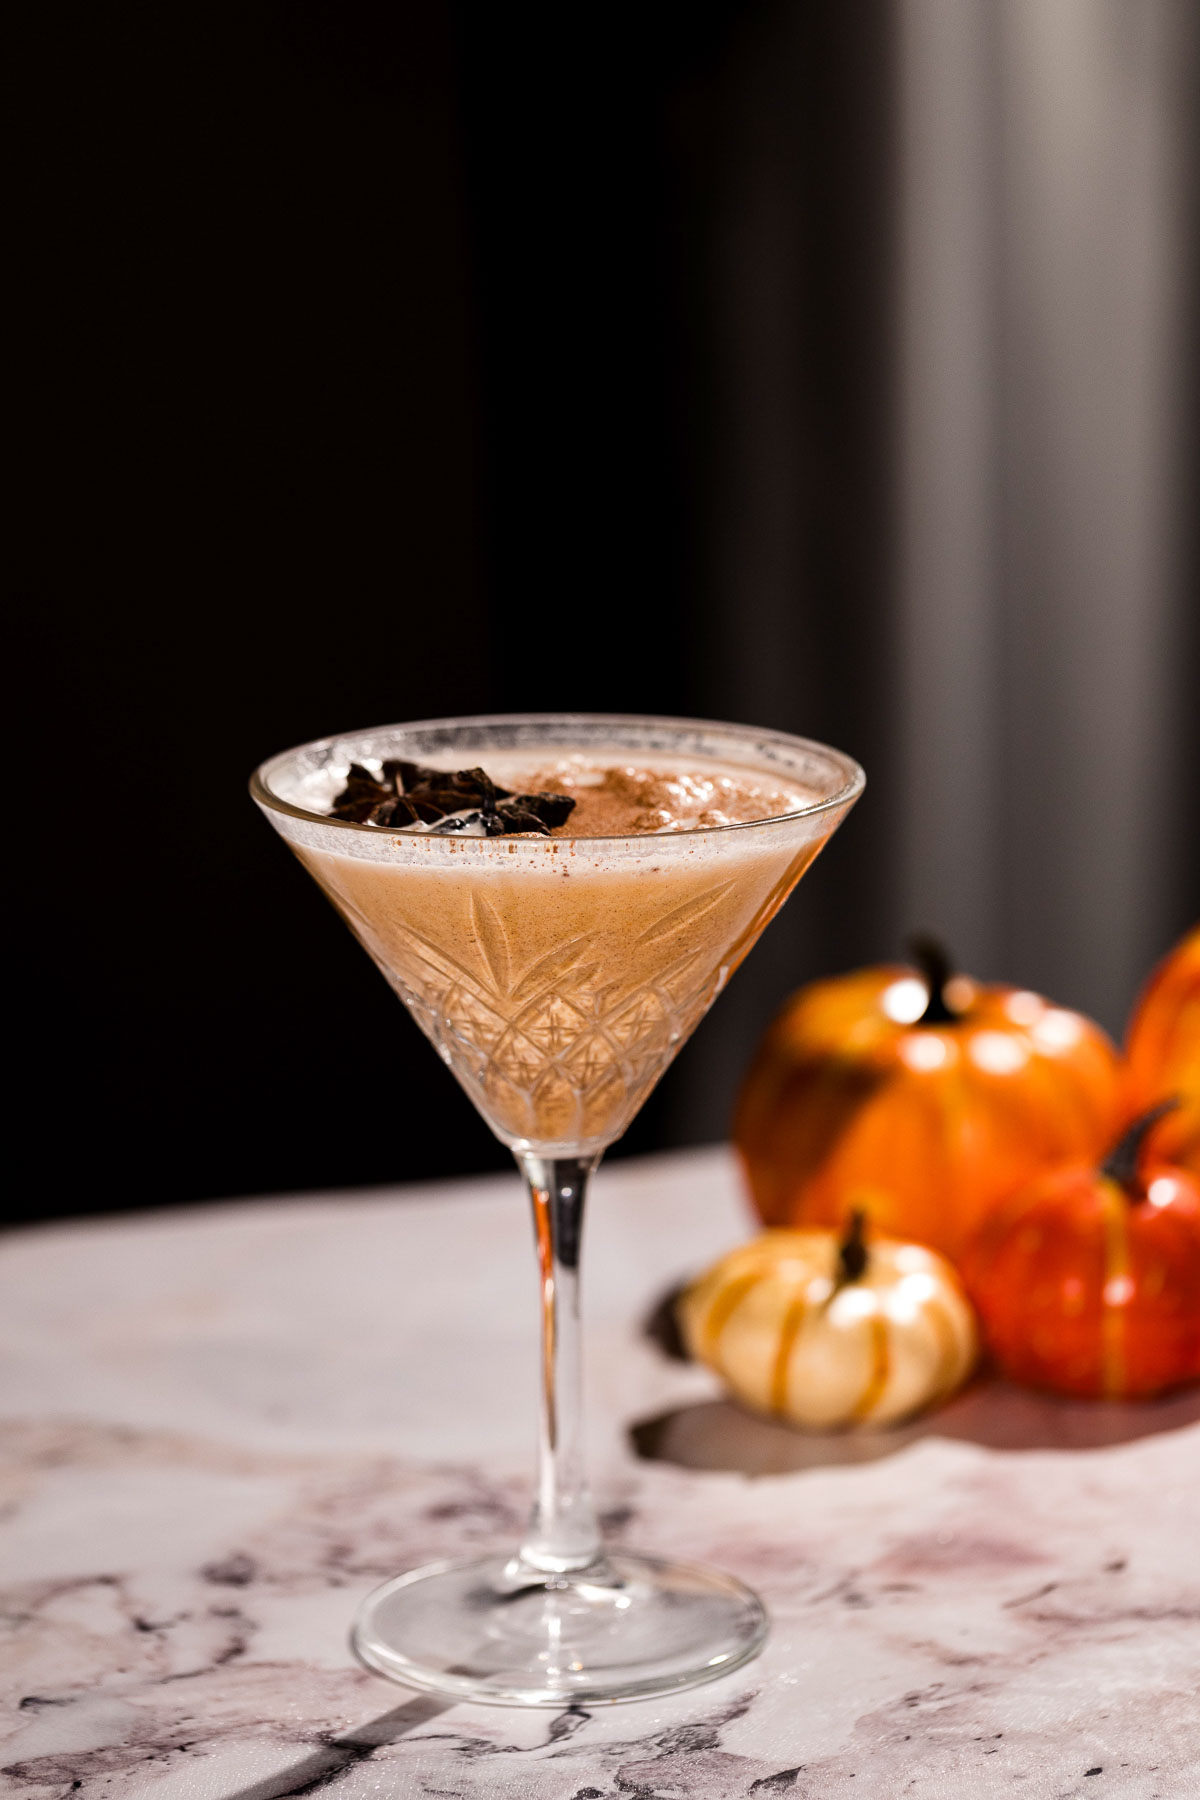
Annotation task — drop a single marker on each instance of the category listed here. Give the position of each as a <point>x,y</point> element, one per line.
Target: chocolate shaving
<point>396,813</point>
<point>471,785</point>
<point>551,809</point>
<point>466,800</point>
<point>515,815</point>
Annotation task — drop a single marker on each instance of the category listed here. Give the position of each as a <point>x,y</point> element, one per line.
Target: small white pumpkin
<point>829,1333</point>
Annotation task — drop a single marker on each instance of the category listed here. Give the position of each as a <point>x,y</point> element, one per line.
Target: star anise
<point>465,800</point>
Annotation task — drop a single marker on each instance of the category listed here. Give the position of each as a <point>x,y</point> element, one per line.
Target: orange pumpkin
<point>1162,1048</point>
<point>919,1096</point>
<point>1088,1281</point>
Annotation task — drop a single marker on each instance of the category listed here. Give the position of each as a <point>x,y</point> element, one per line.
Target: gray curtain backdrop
<point>949,516</point>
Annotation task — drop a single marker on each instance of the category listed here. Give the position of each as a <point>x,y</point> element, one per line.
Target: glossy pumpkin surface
<point>864,1094</point>
<point>778,1321</point>
<point>1090,1284</point>
<point>1163,1052</point>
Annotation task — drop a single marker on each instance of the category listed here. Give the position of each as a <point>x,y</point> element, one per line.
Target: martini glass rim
<point>852,785</point>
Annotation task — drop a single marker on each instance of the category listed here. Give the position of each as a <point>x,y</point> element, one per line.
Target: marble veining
<point>1002,1601</point>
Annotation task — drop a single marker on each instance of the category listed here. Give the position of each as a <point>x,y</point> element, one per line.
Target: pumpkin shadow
<point>719,1435</point>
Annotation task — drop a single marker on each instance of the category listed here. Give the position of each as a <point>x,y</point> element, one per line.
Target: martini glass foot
<point>494,1629</point>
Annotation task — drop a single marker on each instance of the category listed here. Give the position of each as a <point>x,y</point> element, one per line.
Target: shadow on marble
<point>719,1435</point>
<point>323,1766</point>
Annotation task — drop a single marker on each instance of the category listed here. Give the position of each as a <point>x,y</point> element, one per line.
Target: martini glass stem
<point>563,1535</point>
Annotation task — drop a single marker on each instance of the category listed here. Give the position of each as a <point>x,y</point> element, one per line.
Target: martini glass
<point>557,978</point>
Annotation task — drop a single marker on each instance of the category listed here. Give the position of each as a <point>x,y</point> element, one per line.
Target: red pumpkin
<point>1163,1052</point>
<point>921,1097</point>
<point>1088,1281</point>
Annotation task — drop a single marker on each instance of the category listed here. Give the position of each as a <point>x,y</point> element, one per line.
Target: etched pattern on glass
<point>565,1047</point>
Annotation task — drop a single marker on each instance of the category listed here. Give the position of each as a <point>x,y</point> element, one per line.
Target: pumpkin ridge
<point>789,1331</point>
<point>837,1092</point>
<point>1114,1372</point>
<point>877,1381</point>
<point>948,1358</point>
<point>725,1305</point>
<point>954,1146</point>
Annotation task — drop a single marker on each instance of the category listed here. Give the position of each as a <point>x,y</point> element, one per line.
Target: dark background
<point>381,361</point>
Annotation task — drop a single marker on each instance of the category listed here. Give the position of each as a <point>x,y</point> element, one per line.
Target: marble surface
<point>221,1428</point>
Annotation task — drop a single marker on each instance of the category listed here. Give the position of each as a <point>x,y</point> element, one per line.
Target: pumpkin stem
<point>1121,1164</point>
<point>935,965</point>
<point>852,1251</point>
